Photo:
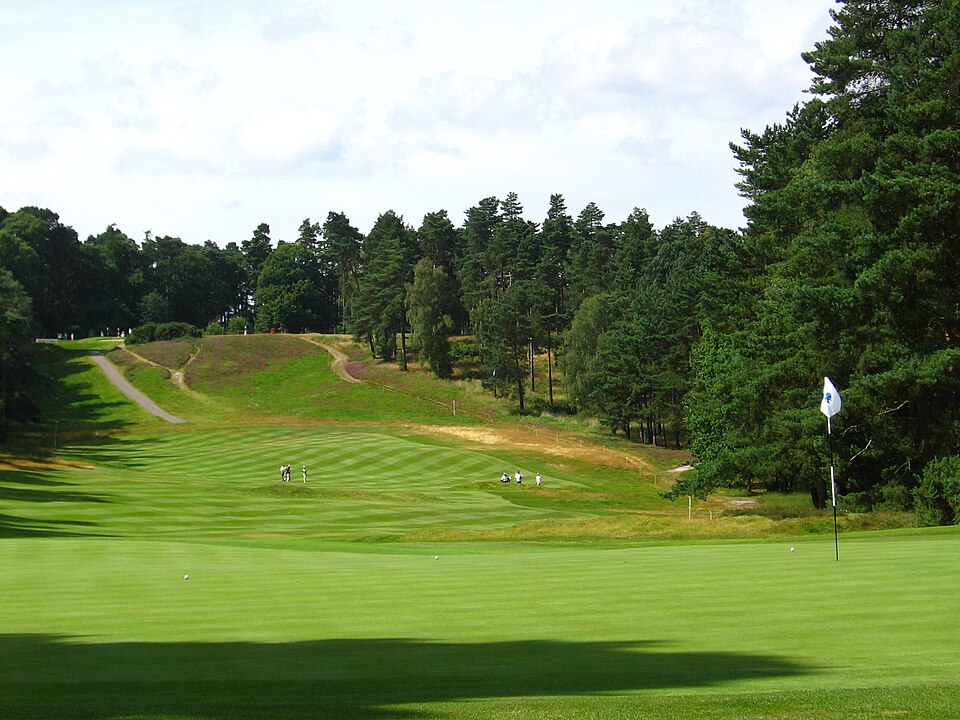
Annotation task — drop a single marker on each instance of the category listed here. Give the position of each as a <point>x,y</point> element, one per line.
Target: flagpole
<point>830,405</point>
<point>833,491</point>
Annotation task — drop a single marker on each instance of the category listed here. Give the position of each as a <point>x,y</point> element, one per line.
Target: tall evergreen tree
<point>111,284</point>
<point>312,239</point>
<point>473,273</point>
<point>551,273</point>
<point>44,256</point>
<point>428,303</point>
<point>854,215</point>
<point>389,254</point>
<point>256,250</point>
<point>344,244</point>
<point>439,242</point>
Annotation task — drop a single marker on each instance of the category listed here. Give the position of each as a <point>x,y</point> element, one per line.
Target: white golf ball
<point>186,577</point>
<point>436,557</point>
<point>793,549</point>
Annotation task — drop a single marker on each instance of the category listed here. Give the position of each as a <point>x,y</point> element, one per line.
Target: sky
<point>201,119</point>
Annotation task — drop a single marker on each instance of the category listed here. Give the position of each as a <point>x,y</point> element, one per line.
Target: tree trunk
<point>533,382</point>
<point>403,346</point>
<point>518,374</point>
<point>549,369</point>
<point>818,494</point>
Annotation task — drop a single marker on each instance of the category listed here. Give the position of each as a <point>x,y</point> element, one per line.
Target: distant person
<point>505,478</point>
<point>304,474</point>
<point>283,473</point>
<point>518,476</point>
<point>539,479</point>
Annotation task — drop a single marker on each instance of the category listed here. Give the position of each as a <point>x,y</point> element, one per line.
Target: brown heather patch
<point>127,360</point>
<point>640,526</point>
<point>540,441</point>
<point>27,464</point>
<point>171,354</point>
<point>225,358</point>
<point>615,526</point>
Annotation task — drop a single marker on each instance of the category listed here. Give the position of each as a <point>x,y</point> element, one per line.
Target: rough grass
<point>168,353</point>
<point>224,360</point>
<point>287,378</point>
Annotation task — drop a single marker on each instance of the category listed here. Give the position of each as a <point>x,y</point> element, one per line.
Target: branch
<point>865,448</point>
<point>893,410</point>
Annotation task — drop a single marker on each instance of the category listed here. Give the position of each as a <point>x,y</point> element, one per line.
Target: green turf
<point>226,483</point>
<point>340,598</point>
<point>110,627</point>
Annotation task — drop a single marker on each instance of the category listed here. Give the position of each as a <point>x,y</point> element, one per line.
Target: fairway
<point>166,573</point>
<point>225,483</point>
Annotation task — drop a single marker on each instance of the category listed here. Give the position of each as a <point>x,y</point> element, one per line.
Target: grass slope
<point>366,592</point>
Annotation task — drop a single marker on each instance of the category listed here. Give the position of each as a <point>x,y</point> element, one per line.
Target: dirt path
<point>339,362</point>
<point>124,386</point>
<point>177,377</point>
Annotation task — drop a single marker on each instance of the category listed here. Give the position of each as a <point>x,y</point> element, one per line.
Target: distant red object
<point>273,331</point>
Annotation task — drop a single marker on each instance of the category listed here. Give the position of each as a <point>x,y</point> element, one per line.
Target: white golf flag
<point>830,404</point>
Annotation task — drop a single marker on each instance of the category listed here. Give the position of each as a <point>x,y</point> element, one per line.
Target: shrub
<point>142,334</point>
<point>937,497</point>
<point>237,324</point>
<point>176,330</point>
<point>465,351</point>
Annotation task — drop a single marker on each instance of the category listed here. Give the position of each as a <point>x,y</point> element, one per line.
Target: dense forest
<point>715,339</point>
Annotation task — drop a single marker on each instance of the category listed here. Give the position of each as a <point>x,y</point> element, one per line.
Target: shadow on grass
<point>45,676</point>
<point>40,488</point>
<point>18,527</point>
<point>70,403</point>
<point>23,485</point>
<point>30,494</point>
<point>114,451</point>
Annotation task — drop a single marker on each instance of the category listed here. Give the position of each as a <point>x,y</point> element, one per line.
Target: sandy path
<point>339,362</point>
<point>177,377</point>
<point>124,386</point>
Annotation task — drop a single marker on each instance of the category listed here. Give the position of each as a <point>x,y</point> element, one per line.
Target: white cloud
<point>226,114</point>
<point>288,134</point>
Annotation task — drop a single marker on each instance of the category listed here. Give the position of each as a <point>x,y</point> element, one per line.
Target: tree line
<point>688,335</point>
<point>515,285</point>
